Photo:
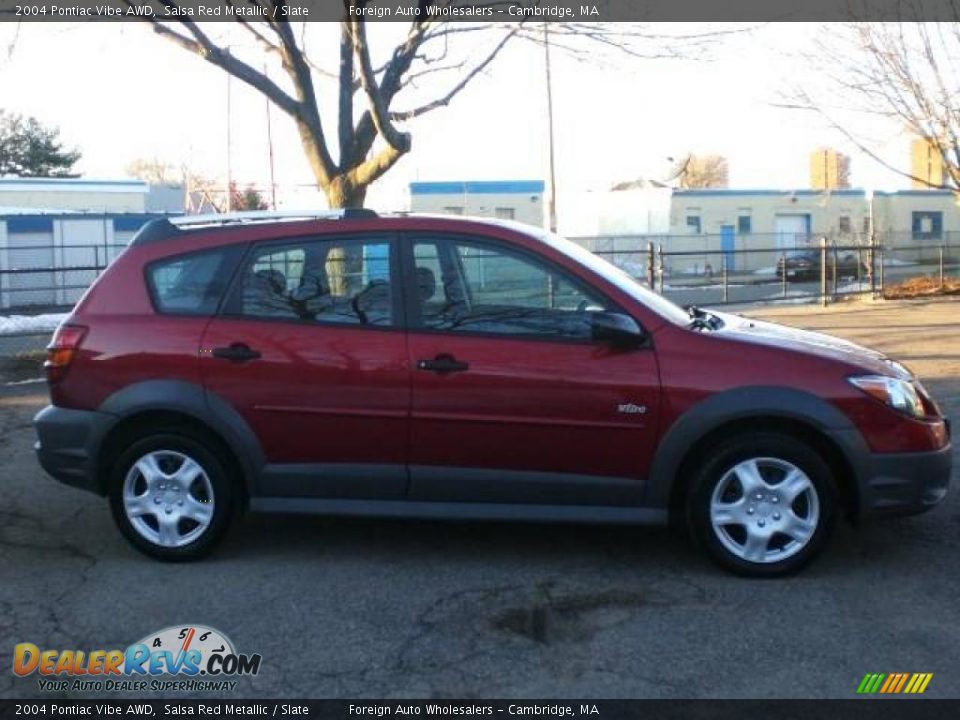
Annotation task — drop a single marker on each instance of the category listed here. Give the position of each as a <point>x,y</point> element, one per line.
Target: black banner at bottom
<point>854,709</point>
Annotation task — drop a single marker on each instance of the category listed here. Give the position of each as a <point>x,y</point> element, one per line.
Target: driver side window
<point>465,286</point>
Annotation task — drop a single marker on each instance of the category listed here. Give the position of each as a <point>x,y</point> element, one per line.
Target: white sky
<point>118,92</point>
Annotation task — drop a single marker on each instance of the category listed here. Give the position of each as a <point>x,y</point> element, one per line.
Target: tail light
<point>62,349</point>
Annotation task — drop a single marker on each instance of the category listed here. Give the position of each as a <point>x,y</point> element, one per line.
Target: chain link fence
<point>716,270</point>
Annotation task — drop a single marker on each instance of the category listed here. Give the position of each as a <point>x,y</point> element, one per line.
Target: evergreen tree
<point>28,149</point>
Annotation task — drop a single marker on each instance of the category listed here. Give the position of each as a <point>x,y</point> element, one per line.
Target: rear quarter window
<point>194,283</point>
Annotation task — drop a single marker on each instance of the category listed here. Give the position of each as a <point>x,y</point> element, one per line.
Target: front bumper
<point>905,483</point>
<point>68,444</point>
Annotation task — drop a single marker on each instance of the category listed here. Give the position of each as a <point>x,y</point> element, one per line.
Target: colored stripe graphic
<point>894,683</point>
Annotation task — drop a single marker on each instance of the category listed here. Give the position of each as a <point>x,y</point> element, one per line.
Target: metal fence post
<point>650,268</point>
<point>941,267</point>
<point>872,266</point>
<point>660,266</point>
<point>833,289</point>
<point>723,260</point>
<point>881,268</point>
<point>823,271</point>
<point>783,274</point>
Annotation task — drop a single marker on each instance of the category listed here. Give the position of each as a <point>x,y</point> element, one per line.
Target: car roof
<point>251,226</point>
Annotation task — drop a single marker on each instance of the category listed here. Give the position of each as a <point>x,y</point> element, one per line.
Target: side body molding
<point>742,404</point>
<point>207,408</point>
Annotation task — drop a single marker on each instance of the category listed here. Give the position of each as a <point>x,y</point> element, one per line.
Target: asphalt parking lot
<point>371,608</point>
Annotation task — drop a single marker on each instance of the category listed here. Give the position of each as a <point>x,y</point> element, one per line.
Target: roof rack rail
<point>188,221</point>
<point>166,228</point>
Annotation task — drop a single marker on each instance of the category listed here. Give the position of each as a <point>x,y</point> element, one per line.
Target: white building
<point>520,200</point>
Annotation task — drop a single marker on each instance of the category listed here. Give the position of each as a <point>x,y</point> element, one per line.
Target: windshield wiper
<point>700,319</point>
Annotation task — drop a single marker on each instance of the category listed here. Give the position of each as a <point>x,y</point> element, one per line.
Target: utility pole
<point>229,161</point>
<point>273,182</point>
<point>551,218</point>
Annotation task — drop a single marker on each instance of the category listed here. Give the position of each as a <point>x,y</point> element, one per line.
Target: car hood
<point>760,332</point>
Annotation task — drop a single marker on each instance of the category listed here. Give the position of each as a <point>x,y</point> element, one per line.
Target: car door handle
<point>443,364</point>
<point>237,352</point>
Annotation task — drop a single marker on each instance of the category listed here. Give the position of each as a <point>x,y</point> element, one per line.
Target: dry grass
<point>922,286</point>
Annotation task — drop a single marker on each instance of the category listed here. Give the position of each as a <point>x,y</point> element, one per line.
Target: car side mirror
<point>616,329</point>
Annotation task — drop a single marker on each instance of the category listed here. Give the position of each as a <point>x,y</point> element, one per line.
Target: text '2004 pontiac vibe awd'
<point>448,368</point>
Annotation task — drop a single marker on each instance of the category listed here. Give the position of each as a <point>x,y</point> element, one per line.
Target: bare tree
<point>370,84</point>
<point>700,171</point>
<point>156,171</point>
<point>906,73</point>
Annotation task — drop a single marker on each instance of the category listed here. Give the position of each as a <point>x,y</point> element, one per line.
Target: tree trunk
<point>342,193</point>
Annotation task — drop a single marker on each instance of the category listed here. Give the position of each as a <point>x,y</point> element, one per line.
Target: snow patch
<point>30,324</point>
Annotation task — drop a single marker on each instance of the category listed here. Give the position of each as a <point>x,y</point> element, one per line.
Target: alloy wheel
<point>764,510</point>
<point>168,498</point>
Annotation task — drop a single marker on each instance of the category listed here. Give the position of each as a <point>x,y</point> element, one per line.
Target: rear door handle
<point>443,365</point>
<point>236,352</point>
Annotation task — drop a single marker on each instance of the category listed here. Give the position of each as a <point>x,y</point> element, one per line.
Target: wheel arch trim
<point>745,404</point>
<point>194,401</point>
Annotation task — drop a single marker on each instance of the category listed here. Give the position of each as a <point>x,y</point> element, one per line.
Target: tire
<point>171,497</point>
<point>768,536</point>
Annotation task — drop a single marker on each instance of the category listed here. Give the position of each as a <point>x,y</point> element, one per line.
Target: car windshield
<point>657,303</point>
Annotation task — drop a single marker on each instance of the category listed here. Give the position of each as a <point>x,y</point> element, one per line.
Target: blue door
<point>727,245</point>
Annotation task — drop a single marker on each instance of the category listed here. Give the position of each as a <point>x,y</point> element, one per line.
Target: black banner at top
<point>479,10</point>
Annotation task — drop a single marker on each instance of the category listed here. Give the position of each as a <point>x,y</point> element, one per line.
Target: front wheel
<point>762,504</point>
<point>171,497</point>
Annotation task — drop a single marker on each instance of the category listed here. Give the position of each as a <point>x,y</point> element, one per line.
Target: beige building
<point>726,221</point>
<point>926,165</point>
<point>785,216</point>
<point>920,219</point>
<point>75,194</point>
<point>829,170</point>
<point>520,200</point>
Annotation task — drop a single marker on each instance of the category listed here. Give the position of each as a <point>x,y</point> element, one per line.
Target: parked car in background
<point>440,367</point>
<point>805,265</point>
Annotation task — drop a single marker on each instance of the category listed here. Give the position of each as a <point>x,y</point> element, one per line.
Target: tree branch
<point>201,45</point>
<point>378,105</point>
<point>455,90</point>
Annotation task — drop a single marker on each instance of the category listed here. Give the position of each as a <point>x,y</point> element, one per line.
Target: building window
<point>927,225</point>
<point>504,213</point>
<point>453,209</point>
<point>744,225</point>
<point>693,224</point>
<point>843,224</point>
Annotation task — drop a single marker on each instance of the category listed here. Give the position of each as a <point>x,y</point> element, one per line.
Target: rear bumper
<point>905,483</point>
<point>67,445</point>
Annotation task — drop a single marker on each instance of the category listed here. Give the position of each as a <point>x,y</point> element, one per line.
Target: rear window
<point>192,284</point>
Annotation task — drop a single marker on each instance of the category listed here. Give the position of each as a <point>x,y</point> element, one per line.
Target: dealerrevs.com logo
<point>199,657</point>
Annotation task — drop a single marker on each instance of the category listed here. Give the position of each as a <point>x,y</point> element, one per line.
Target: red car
<point>356,364</point>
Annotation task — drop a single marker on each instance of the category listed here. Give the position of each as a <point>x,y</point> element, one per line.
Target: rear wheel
<point>762,504</point>
<point>171,497</point>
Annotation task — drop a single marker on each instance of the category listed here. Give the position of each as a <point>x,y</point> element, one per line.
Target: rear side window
<point>343,281</point>
<point>192,284</point>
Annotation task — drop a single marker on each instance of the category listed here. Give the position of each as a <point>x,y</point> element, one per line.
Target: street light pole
<point>551,218</point>
<point>273,181</point>
<point>229,160</point>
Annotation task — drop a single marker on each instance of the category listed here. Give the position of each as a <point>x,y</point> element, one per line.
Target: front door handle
<point>443,365</point>
<point>236,352</point>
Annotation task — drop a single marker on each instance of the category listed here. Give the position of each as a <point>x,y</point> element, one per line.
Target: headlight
<point>897,393</point>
